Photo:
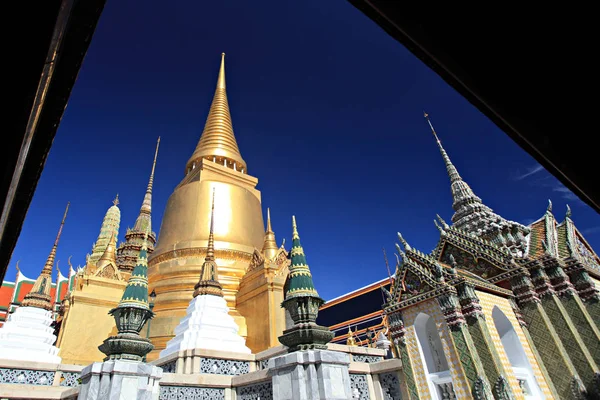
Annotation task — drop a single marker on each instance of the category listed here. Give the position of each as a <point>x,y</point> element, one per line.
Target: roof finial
<point>404,242</point>
<point>17,267</point>
<point>151,180</point>
<point>294,228</point>
<point>387,264</point>
<point>116,200</point>
<point>269,229</point>
<point>452,172</point>
<point>549,209</point>
<point>568,214</point>
<point>209,274</point>
<point>221,80</point>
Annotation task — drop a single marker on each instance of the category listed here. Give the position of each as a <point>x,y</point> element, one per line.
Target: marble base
<point>27,336</point>
<point>311,375</point>
<point>207,325</point>
<point>120,380</point>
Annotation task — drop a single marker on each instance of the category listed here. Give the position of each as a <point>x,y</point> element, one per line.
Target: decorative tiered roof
<point>136,291</point>
<point>475,217</point>
<point>129,250</point>
<point>300,281</point>
<point>217,142</point>
<point>110,226</point>
<point>39,296</point>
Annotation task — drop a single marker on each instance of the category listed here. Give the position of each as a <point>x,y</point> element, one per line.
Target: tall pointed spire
<point>39,296</point>
<point>217,142</point>
<point>143,222</point>
<point>475,217</point>
<point>270,245</point>
<point>209,274</point>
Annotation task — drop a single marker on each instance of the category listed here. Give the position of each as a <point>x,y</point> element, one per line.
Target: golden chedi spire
<point>110,226</point>
<point>209,275</point>
<point>270,246</point>
<point>217,142</point>
<point>39,296</point>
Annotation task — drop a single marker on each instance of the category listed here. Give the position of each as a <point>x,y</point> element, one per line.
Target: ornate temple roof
<point>39,296</point>
<point>136,291</point>
<point>572,245</point>
<point>300,280</point>
<point>218,141</point>
<point>110,226</point>
<point>471,215</point>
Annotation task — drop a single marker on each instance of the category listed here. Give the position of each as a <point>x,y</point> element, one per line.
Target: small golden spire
<point>110,254</point>
<point>270,248</point>
<point>218,141</point>
<point>210,251</point>
<point>209,274</point>
<point>116,200</point>
<point>17,267</point>
<point>50,260</point>
<point>147,203</point>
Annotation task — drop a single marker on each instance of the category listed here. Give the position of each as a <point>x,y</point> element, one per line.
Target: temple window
<point>516,355</point>
<point>434,360</point>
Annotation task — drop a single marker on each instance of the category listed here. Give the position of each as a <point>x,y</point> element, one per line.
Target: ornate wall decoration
<point>366,358</point>
<point>223,367</point>
<point>390,385</point>
<point>359,387</point>
<point>190,392</point>
<point>257,261</point>
<point>587,256</point>
<point>26,377</point>
<point>259,391</point>
<point>413,286</point>
<point>69,379</point>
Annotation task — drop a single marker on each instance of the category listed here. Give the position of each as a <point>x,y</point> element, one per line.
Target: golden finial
<point>151,181</point>
<point>116,200</point>
<point>430,125</point>
<point>50,260</point>
<point>210,251</point>
<point>17,267</point>
<point>387,264</point>
<point>269,229</point>
<point>69,262</point>
<point>221,80</point>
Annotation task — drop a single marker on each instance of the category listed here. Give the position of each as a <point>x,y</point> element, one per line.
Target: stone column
<point>120,380</point>
<point>585,287</point>
<point>560,368</point>
<point>486,349</point>
<point>565,329</point>
<point>398,333</point>
<point>465,347</point>
<point>576,310</point>
<point>311,375</point>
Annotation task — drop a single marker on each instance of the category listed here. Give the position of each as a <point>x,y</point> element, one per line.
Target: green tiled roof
<point>300,283</point>
<point>136,292</point>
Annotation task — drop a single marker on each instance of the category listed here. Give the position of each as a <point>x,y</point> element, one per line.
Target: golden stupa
<point>175,264</point>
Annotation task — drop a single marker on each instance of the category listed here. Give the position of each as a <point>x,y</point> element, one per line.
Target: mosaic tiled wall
<point>432,308</point>
<point>488,301</point>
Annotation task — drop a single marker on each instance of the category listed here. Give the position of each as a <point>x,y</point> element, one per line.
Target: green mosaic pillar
<point>585,288</point>
<point>560,368</point>
<point>565,328</point>
<point>398,335</point>
<point>536,354</point>
<point>465,347</point>
<point>484,343</point>
<point>576,310</point>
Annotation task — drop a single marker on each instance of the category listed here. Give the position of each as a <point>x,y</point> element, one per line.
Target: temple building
<point>498,310</point>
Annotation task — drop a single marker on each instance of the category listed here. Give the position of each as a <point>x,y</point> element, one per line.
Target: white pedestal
<point>120,380</point>
<point>27,336</point>
<point>207,325</point>
<point>311,375</point>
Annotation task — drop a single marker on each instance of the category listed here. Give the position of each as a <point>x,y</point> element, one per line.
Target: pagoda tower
<point>110,226</point>
<point>176,263</point>
<point>27,334</point>
<point>128,251</point>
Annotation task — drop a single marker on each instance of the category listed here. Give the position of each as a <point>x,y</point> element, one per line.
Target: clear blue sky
<point>328,114</point>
